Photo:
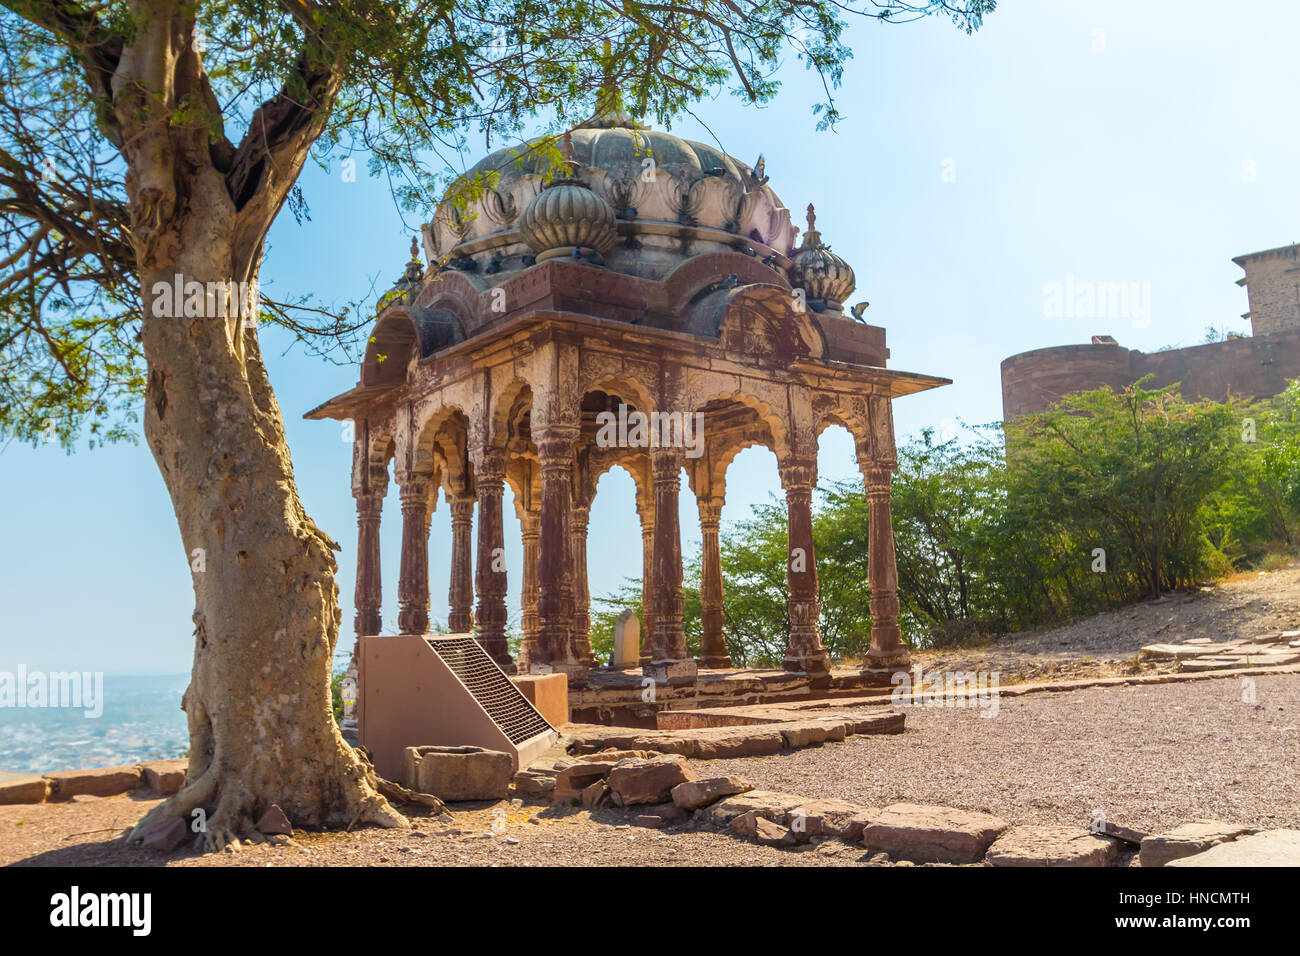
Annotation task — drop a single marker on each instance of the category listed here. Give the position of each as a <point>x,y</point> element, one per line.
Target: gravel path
<point>1150,757</point>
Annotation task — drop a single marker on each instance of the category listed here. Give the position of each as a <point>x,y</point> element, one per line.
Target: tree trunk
<point>266,619</point>
<point>266,616</point>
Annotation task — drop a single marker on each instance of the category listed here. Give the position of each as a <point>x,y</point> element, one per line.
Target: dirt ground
<point>1106,645</point>
<point>1148,756</point>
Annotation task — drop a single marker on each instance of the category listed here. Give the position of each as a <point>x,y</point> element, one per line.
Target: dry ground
<point>1150,757</point>
<point>1243,606</point>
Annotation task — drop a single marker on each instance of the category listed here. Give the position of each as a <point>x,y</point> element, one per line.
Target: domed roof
<point>673,199</point>
<point>618,149</point>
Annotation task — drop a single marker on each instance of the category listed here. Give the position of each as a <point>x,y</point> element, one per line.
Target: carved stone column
<point>555,450</point>
<point>646,511</point>
<point>713,646</point>
<point>804,652</point>
<point>671,661</point>
<point>888,653</point>
<point>460,590</point>
<point>368,596</point>
<point>413,579</point>
<point>578,519</point>
<point>489,478</point>
<point>531,527</point>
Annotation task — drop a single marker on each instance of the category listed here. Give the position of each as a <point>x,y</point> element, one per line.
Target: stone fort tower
<point>1255,366</point>
<point>1272,282</point>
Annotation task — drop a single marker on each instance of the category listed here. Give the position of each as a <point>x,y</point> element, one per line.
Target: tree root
<point>395,791</point>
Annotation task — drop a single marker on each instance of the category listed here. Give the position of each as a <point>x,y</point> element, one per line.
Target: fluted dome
<point>671,199</point>
<point>567,218</point>
<point>826,279</point>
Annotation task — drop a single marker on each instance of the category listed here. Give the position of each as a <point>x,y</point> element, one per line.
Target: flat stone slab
<point>23,788</point>
<point>757,732</point>
<point>534,784</point>
<point>807,733</point>
<point>929,834</point>
<point>1172,652</point>
<point>1271,656</point>
<point>831,817</point>
<point>1212,664</point>
<point>1267,848</point>
<point>725,742</point>
<point>647,781</point>
<point>773,834</point>
<point>1051,846</point>
<point>1160,849</point>
<point>694,794</point>
<point>888,722</point>
<point>1120,832</point>
<point>165,777</point>
<point>771,804</point>
<point>97,781</point>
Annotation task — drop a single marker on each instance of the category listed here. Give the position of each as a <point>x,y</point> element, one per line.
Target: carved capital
<point>415,489</point>
<point>490,466</point>
<point>666,465</point>
<point>369,507</point>
<point>556,446</point>
<point>578,519</point>
<point>879,481</point>
<point>710,513</point>
<point>462,510</point>
<point>799,474</point>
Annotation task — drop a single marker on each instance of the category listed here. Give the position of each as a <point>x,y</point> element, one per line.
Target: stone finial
<point>812,239</point>
<point>610,111</point>
<point>826,277</point>
<point>414,270</point>
<point>566,147</point>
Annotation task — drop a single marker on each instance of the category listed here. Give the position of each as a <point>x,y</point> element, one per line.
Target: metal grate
<point>489,685</point>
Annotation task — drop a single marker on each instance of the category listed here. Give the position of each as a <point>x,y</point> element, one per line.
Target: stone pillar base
<point>716,663</point>
<point>817,669</point>
<point>672,673</point>
<point>576,671</point>
<point>879,667</point>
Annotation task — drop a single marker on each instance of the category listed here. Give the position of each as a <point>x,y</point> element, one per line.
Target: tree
<point>145,140</point>
<point>1134,467</point>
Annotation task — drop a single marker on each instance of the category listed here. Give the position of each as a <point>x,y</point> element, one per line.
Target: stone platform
<point>623,698</point>
<point>1201,654</point>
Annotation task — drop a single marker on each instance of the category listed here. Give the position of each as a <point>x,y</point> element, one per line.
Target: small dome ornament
<point>826,278</point>
<point>411,281</point>
<point>567,219</point>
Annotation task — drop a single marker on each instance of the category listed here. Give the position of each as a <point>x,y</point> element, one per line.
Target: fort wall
<point>1250,367</point>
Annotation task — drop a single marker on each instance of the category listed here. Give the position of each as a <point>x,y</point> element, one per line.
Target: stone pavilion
<point>652,281</point>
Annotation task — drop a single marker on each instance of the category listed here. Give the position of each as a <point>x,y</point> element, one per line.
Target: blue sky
<point>1144,142</point>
